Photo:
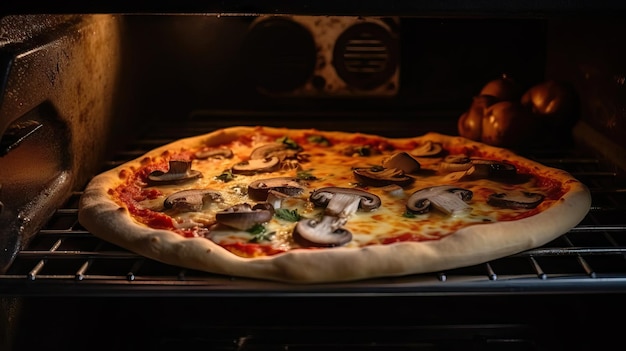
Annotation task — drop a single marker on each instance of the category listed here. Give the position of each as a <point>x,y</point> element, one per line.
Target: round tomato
<point>506,124</point>
<point>502,88</point>
<point>470,123</point>
<point>555,102</point>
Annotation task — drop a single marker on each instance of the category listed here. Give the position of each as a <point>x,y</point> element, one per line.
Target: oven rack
<point>65,259</point>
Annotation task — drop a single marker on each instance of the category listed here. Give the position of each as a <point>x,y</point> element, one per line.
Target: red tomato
<point>555,102</point>
<point>470,123</point>
<point>502,88</point>
<point>506,124</point>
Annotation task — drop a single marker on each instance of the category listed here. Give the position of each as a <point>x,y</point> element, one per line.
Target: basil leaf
<point>287,214</point>
<point>291,144</point>
<point>318,139</point>
<point>257,229</point>
<point>226,176</point>
<point>408,214</point>
<point>305,175</point>
<point>259,233</point>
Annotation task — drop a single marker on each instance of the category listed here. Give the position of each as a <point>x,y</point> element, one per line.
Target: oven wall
<point>192,65</point>
<point>590,54</point>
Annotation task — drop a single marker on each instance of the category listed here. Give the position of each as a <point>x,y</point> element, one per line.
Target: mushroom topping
<point>259,189</point>
<point>402,161</point>
<point>261,165</point>
<point>221,152</point>
<point>190,199</point>
<point>243,216</point>
<point>380,176</point>
<point>280,150</point>
<point>344,201</point>
<point>447,199</point>
<point>264,206</point>
<point>515,200</point>
<point>482,168</point>
<point>276,198</point>
<point>327,232</point>
<point>455,163</point>
<point>428,149</point>
<point>179,172</point>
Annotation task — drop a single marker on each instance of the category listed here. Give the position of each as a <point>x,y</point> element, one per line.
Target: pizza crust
<point>468,246</point>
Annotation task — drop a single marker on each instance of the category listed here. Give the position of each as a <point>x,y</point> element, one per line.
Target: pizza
<point>315,206</point>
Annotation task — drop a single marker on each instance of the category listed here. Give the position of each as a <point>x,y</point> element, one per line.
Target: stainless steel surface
<point>57,92</point>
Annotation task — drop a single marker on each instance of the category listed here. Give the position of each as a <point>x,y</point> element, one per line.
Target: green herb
<point>291,144</point>
<point>287,214</point>
<point>239,189</point>
<point>364,150</point>
<point>305,175</point>
<point>409,214</point>
<point>318,139</point>
<point>259,233</point>
<point>226,176</point>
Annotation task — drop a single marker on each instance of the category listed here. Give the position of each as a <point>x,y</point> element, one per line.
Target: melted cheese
<point>332,167</point>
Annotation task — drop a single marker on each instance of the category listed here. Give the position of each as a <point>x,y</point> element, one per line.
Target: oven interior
<point>84,93</point>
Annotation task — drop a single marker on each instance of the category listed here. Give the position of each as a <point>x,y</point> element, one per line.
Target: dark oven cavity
<point>84,93</point>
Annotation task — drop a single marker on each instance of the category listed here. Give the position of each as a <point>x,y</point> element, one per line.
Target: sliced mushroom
<point>428,149</point>
<point>276,198</point>
<point>191,199</point>
<point>343,205</point>
<point>243,216</point>
<point>259,189</point>
<point>346,200</point>
<point>255,166</point>
<point>447,199</point>
<point>179,172</point>
<point>402,161</point>
<point>482,168</point>
<point>455,163</point>
<point>381,176</point>
<point>290,165</point>
<point>221,152</point>
<point>515,200</point>
<point>264,205</point>
<point>327,232</point>
<point>280,150</point>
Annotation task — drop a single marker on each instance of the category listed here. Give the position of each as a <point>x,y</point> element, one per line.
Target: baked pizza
<point>307,205</point>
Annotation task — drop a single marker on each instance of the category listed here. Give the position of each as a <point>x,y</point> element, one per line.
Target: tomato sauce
<point>251,249</point>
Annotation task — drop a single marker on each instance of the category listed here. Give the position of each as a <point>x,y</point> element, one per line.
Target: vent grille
<point>365,56</point>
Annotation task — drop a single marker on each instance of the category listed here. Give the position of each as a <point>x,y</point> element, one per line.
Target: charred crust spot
<point>123,174</point>
<point>121,209</point>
